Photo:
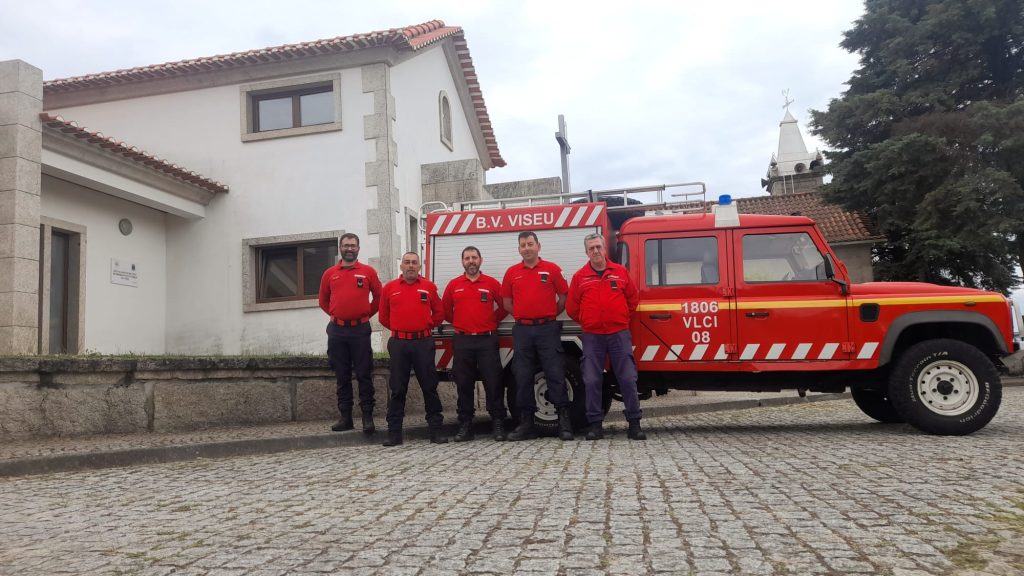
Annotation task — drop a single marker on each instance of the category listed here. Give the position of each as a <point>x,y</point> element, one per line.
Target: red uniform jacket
<point>351,293</point>
<point>602,302</point>
<point>406,307</point>
<point>534,290</point>
<point>473,306</point>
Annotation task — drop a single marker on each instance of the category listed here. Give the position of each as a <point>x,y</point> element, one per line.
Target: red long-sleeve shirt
<point>350,292</point>
<point>410,307</point>
<point>473,305</point>
<point>602,301</point>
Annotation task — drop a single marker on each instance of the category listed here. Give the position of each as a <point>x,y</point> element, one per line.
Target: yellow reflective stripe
<point>749,304</point>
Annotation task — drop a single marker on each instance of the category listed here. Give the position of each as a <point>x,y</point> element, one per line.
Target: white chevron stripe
<point>721,354</point>
<point>563,216</point>
<point>673,354</point>
<point>452,223</point>
<point>506,356</point>
<point>698,352</point>
<point>867,350</point>
<point>801,351</point>
<point>467,220</point>
<point>649,353</point>
<point>594,215</point>
<point>578,216</point>
<point>439,223</point>
<point>748,351</point>
<point>775,351</point>
<point>437,356</point>
<point>828,351</point>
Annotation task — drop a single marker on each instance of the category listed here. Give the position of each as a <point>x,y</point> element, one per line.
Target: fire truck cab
<point>747,302</point>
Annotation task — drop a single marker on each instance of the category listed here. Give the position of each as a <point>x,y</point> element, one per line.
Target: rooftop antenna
<point>562,137</point>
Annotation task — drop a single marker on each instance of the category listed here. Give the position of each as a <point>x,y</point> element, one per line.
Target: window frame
<point>300,287</point>
<point>252,270</point>
<point>742,261</point>
<point>252,94</point>
<point>661,262</point>
<point>444,116</point>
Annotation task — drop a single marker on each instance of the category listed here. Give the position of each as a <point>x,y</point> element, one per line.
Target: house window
<point>445,115</point>
<point>291,107</point>
<point>292,272</point>
<point>283,272</point>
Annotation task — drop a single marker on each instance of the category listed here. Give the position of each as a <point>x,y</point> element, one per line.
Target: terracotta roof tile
<point>112,146</point>
<point>836,224</point>
<point>408,38</point>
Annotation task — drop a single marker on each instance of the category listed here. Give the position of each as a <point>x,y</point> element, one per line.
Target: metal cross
<point>786,99</point>
<point>562,136</point>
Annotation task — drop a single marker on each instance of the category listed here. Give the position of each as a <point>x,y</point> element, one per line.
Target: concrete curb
<point>165,454</point>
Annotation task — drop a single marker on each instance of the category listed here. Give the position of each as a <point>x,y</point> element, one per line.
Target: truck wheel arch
<point>980,324</point>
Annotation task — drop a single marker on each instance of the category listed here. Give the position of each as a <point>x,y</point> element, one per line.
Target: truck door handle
<point>757,314</point>
<point>660,316</point>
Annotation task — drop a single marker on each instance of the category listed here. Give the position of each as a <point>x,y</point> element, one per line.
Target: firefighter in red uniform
<point>601,298</point>
<point>533,291</point>
<point>350,295</point>
<point>411,308</point>
<point>472,303</point>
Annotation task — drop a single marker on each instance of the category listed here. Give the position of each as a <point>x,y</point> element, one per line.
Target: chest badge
<point>543,277</point>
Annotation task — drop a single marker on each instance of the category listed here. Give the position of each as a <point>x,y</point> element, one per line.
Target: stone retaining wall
<point>79,396</point>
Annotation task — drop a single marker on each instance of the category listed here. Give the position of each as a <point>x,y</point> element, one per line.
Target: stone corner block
<point>20,76</point>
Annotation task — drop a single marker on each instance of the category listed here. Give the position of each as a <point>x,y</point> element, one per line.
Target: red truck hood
<point>914,289</point>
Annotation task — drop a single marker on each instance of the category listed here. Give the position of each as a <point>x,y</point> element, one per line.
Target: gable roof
<point>117,148</point>
<point>410,38</point>
<point>836,224</point>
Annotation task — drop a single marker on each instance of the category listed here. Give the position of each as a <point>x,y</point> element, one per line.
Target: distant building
<point>794,182</point>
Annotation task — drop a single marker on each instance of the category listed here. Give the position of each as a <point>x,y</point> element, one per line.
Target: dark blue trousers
<point>348,350</point>
<point>618,349</point>
<point>533,345</point>
<point>416,356</point>
<point>477,356</point>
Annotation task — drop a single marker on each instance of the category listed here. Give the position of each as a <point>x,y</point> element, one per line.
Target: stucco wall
<point>117,318</point>
<point>857,258</point>
<point>284,186</point>
<point>415,85</point>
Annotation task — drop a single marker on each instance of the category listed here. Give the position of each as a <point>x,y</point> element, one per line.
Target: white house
<point>107,244</point>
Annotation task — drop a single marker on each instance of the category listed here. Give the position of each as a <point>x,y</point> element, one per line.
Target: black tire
<point>876,404</point>
<point>945,387</point>
<point>545,420</point>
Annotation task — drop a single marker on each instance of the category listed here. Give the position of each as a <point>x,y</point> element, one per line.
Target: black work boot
<point>436,436</point>
<point>524,431</point>
<point>499,430</point>
<point>343,423</point>
<point>465,433</point>
<point>368,426</point>
<point>596,431</point>
<point>634,432</point>
<point>564,424</point>
<point>394,438</point>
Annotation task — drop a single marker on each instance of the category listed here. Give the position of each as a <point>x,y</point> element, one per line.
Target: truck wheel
<point>945,387</point>
<point>876,404</point>
<point>546,417</point>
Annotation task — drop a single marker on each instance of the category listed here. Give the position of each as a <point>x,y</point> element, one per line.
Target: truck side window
<point>681,261</point>
<point>790,257</point>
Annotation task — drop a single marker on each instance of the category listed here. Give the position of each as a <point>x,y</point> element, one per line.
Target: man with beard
<point>411,309</point>
<point>472,303</point>
<point>350,295</point>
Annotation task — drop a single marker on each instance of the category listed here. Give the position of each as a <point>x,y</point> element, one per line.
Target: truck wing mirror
<point>830,273</point>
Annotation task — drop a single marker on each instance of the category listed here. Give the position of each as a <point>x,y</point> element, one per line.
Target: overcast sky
<point>653,92</point>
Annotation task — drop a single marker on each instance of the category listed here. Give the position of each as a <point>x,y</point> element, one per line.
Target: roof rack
<point>638,198</point>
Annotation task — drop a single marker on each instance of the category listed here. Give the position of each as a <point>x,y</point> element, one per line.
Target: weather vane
<point>786,99</point>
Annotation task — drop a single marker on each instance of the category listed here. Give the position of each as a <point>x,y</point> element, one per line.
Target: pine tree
<point>928,139</point>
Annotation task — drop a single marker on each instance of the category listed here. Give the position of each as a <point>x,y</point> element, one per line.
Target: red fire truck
<point>746,302</point>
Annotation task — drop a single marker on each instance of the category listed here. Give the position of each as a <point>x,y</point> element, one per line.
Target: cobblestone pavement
<point>804,489</point>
